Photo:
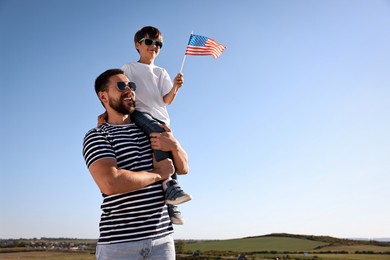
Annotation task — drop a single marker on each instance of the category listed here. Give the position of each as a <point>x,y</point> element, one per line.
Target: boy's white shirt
<point>153,83</point>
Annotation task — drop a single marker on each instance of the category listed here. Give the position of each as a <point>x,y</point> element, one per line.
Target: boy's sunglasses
<point>150,42</point>
<point>121,85</point>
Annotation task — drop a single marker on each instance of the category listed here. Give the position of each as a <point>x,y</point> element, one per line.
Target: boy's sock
<point>164,184</point>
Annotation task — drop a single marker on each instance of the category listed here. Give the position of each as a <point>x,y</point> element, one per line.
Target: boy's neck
<point>147,62</point>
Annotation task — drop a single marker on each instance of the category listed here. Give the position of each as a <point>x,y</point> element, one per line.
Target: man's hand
<point>164,168</point>
<point>102,119</point>
<point>163,141</point>
<point>168,143</point>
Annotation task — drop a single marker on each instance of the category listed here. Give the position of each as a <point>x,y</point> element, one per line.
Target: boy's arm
<point>112,180</point>
<point>167,142</point>
<point>177,83</point>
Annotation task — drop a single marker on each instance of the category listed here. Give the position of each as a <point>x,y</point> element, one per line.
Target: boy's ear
<point>137,44</point>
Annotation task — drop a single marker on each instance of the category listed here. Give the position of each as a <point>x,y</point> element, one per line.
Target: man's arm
<point>168,143</point>
<point>112,180</point>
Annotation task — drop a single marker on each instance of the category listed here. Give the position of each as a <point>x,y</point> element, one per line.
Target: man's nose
<point>129,87</point>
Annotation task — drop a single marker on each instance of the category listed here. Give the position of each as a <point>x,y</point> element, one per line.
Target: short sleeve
<point>96,146</point>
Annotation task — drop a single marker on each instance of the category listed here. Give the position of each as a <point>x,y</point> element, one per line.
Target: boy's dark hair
<point>151,31</point>
<point>102,80</point>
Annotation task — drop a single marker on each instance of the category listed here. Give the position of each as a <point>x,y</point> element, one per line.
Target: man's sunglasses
<point>121,85</point>
<point>150,42</point>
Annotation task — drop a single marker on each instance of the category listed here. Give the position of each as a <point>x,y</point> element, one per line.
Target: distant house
<point>241,257</point>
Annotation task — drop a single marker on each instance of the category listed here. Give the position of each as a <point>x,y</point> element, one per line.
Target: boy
<point>153,93</point>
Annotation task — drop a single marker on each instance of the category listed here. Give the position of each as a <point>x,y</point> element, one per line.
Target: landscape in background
<point>272,246</point>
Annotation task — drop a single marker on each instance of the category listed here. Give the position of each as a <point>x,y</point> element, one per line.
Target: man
<point>135,223</point>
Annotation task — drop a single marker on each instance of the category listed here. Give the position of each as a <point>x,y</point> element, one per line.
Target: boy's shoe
<point>175,215</point>
<point>174,195</point>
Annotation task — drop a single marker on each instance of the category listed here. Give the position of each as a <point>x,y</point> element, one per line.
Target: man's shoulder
<point>97,130</point>
<point>109,128</point>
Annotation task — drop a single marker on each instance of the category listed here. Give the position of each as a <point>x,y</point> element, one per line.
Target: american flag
<point>203,46</point>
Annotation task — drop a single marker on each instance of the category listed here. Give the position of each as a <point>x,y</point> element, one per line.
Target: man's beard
<point>120,107</point>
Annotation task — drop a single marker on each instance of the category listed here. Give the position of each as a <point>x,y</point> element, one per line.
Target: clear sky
<point>287,131</point>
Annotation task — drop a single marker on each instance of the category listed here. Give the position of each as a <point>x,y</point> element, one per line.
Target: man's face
<point>122,102</point>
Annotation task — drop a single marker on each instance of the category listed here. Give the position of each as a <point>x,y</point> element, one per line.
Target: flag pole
<point>182,64</point>
<point>184,59</point>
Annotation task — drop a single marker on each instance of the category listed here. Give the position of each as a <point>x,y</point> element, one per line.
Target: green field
<point>274,246</point>
<point>291,247</point>
<point>75,256</point>
<point>46,255</point>
<point>321,257</point>
<point>279,244</point>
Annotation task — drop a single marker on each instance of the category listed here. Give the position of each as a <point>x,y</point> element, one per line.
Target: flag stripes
<point>203,46</point>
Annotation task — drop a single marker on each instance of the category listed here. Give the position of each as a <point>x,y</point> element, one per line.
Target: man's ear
<point>103,96</point>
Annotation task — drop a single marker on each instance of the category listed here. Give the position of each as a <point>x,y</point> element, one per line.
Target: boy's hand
<point>102,119</point>
<point>179,80</point>
<point>177,83</point>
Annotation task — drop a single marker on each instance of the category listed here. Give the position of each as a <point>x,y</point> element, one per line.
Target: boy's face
<point>148,52</point>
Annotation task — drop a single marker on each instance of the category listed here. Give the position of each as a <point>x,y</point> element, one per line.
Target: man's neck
<point>119,119</point>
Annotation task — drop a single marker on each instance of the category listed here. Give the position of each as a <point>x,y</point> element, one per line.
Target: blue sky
<point>287,131</point>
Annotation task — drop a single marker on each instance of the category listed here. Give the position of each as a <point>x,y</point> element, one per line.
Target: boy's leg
<point>174,194</point>
<point>148,125</point>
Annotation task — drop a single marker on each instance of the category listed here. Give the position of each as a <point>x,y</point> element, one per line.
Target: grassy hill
<point>281,246</point>
<point>288,243</point>
<point>256,244</point>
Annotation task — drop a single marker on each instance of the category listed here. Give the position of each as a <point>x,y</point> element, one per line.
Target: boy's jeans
<point>148,125</point>
<point>162,248</point>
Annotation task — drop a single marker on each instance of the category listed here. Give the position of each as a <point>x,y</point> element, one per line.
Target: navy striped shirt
<point>135,215</point>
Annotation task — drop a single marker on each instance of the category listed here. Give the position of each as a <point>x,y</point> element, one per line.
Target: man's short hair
<point>102,80</point>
